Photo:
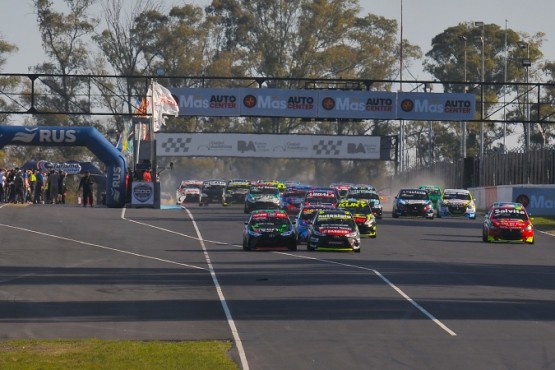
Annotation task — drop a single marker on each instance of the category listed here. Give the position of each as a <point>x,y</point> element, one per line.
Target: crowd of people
<point>32,186</point>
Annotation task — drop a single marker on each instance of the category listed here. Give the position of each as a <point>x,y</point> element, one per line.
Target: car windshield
<point>280,222</point>
<point>213,187</point>
<point>237,187</point>
<point>433,191</point>
<point>294,193</point>
<point>364,195</point>
<point>307,216</point>
<point>509,214</point>
<point>321,200</point>
<point>460,196</point>
<point>414,195</point>
<point>264,191</point>
<point>190,186</point>
<point>359,209</point>
<point>336,223</point>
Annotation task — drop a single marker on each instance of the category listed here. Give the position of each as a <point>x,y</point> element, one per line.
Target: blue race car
<point>304,220</point>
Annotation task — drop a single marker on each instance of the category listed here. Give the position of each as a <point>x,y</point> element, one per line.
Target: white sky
<point>422,20</point>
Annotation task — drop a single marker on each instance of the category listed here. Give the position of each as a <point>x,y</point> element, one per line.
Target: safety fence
<point>515,167</point>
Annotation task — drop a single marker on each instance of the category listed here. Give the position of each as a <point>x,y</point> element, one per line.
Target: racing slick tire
<point>484,237</point>
<point>309,247</point>
<point>356,250</point>
<point>394,215</point>
<point>245,246</point>
<point>293,247</point>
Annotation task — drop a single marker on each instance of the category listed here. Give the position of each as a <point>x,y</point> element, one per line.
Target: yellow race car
<point>362,214</point>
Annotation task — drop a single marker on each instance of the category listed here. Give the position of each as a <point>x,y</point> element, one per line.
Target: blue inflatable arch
<point>75,136</point>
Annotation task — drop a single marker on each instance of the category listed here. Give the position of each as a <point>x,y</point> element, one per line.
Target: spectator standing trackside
<point>2,181</point>
<point>53,186</point>
<point>62,187</point>
<point>87,183</point>
<point>38,187</point>
<point>147,176</point>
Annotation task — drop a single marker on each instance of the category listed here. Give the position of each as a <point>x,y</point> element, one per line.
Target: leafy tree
<point>6,83</point>
<point>65,39</point>
<point>456,61</point>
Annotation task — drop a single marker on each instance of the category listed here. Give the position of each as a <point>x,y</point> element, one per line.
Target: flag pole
<point>151,129</point>
<point>153,165</point>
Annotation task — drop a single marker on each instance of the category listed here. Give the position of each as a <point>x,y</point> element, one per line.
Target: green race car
<point>435,193</point>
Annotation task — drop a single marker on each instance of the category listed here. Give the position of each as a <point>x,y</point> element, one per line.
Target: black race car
<point>333,230</point>
<point>413,203</point>
<point>262,197</point>
<point>235,192</point>
<point>211,192</point>
<point>269,229</point>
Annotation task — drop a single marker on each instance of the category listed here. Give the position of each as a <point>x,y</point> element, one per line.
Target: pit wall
<point>539,200</point>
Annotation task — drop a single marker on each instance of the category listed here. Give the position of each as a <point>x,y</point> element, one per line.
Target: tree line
<point>280,39</point>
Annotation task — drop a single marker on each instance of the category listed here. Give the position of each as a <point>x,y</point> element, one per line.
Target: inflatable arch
<point>75,136</point>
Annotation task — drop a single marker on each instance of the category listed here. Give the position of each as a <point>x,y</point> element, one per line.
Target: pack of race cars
<point>286,214</point>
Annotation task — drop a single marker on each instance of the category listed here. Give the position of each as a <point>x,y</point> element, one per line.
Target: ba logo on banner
<point>244,146</point>
<point>353,148</point>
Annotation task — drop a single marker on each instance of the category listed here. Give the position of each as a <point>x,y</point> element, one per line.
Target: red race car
<point>508,222</point>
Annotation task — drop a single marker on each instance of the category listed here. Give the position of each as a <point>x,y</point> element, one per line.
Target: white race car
<point>188,191</point>
<point>457,203</point>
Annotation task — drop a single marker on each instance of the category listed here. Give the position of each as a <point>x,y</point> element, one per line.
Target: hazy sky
<point>422,20</point>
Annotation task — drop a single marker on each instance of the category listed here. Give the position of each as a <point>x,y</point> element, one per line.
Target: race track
<point>425,294</point>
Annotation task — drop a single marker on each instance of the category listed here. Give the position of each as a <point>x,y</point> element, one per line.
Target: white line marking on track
<point>386,280</point>
<point>229,317</point>
<point>376,272</point>
<point>103,247</point>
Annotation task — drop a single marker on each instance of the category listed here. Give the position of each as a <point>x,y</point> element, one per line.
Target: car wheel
<point>309,247</point>
<point>394,215</point>
<point>293,246</point>
<point>484,236</point>
<point>245,245</point>
<point>356,250</point>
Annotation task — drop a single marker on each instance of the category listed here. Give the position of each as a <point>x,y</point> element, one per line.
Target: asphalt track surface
<point>425,294</point>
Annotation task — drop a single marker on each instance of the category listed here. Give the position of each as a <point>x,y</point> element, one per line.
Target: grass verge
<point>545,223</point>
<point>114,355</point>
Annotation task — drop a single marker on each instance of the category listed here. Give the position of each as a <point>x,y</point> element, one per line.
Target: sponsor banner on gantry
<point>356,104</point>
<point>324,104</point>
<point>436,106</point>
<point>269,146</point>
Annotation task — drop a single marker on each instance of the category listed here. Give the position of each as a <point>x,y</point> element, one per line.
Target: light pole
<point>526,63</point>
<point>482,79</point>
<point>463,123</point>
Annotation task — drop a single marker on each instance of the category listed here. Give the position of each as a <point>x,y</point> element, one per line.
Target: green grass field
<point>114,355</point>
<point>545,223</point>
